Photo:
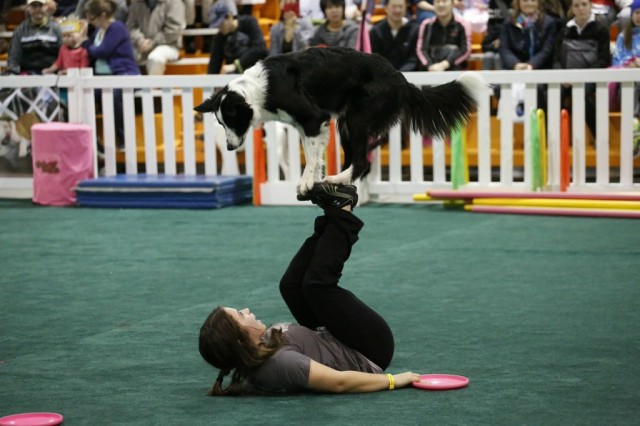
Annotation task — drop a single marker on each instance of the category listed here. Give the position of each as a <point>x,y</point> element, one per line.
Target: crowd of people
<point>414,35</point>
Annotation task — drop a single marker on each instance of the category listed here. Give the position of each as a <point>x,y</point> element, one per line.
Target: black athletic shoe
<point>329,194</point>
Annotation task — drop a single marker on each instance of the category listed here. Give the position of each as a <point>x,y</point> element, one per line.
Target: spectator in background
<point>311,9</point>
<point>498,11</point>
<point>627,51</point>
<point>111,50</point>
<point>528,38</point>
<point>605,11</point>
<point>583,43</point>
<point>527,42</point>
<point>424,10</point>
<point>193,19</point>
<point>558,10</point>
<point>121,9</point>
<point>239,43</point>
<point>292,33</point>
<point>627,55</point>
<point>65,7</point>
<point>72,54</point>
<point>336,31</point>
<point>36,41</point>
<point>190,11</point>
<point>444,42</point>
<point>156,31</point>
<point>396,37</point>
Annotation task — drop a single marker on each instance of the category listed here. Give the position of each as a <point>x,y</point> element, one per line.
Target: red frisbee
<point>32,419</point>
<point>441,382</point>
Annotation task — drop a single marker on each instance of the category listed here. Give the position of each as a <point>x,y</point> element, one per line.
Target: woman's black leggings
<point>310,289</point>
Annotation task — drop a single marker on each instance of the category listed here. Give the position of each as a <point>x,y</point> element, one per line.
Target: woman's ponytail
<point>217,390</point>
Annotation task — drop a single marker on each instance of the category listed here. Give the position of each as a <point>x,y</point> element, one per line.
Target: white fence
<point>164,135</point>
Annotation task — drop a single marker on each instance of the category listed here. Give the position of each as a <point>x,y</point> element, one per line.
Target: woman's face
<point>635,18</point>
<point>528,7</point>
<point>247,321</point>
<point>581,10</point>
<point>334,13</point>
<point>444,8</point>
<point>98,21</point>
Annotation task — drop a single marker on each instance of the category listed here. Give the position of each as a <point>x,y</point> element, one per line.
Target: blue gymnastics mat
<point>161,191</point>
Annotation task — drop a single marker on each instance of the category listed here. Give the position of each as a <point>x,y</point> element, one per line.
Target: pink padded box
<point>62,155</point>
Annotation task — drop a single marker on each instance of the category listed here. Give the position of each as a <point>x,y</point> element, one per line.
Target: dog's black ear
<point>206,106</point>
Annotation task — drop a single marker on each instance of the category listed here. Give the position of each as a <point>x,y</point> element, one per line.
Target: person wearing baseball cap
<point>36,41</point>
<point>239,43</point>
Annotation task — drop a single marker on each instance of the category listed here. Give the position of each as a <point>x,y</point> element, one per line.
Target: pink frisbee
<point>32,419</point>
<point>441,382</point>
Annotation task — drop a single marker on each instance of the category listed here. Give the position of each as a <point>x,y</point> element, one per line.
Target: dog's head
<point>233,112</point>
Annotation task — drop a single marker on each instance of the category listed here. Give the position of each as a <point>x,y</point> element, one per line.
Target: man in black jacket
<point>395,37</point>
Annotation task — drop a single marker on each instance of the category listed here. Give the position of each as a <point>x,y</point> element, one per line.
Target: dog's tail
<point>437,110</point>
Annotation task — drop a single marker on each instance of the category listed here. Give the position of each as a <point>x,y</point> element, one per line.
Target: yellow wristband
<point>392,384</point>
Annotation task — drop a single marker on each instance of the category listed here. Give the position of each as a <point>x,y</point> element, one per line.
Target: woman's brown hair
<point>226,346</point>
<point>516,11</point>
<point>627,33</point>
<point>97,7</point>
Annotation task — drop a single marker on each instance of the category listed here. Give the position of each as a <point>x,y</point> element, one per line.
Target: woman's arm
<point>509,59</point>
<point>547,41</point>
<point>114,36</point>
<point>604,49</point>
<point>326,379</point>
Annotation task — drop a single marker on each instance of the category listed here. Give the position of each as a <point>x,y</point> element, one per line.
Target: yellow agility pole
<point>421,197</point>
<point>542,127</point>
<point>542,202</point>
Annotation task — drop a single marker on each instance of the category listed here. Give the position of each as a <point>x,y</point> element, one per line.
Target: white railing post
<point>182,148</point>
<point>506,135</point>
<point>602,134</point>
<point>578,135</point>
<point>626,133</point>
<point>553,135</point>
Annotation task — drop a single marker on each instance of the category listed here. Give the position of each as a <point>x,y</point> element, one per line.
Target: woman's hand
<point>440,66</point>
<point>145,46</point>
<point>523,66</point>
<point>228,69</point>
<point>405,379</point>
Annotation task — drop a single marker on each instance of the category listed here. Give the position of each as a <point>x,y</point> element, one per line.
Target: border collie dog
<point>364,92</point>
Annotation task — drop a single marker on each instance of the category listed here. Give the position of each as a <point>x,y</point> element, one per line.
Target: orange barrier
<point>565,173</point>
<point>259,166</point>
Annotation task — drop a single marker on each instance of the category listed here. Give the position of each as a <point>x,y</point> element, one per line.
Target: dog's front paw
<point>305,184</point>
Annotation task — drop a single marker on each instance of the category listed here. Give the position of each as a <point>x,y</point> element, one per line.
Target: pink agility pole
<point>447,194</point>
<point>549,211</point>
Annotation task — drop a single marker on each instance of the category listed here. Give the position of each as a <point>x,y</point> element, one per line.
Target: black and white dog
<point>366,94</point>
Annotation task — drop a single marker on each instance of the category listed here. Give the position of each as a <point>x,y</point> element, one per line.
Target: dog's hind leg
<point>313,148</point>
<point>354,138</point>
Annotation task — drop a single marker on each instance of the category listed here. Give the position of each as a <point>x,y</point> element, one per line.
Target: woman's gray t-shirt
<point>287,370</point>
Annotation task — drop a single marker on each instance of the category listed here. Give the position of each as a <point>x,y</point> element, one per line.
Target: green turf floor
<point>100,312</point>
